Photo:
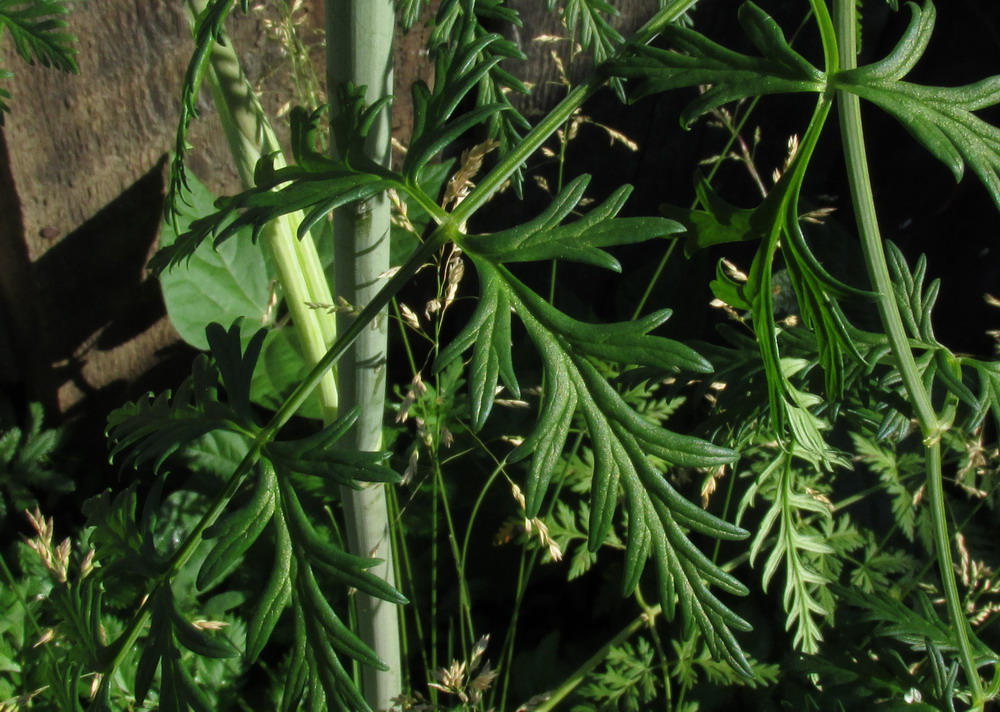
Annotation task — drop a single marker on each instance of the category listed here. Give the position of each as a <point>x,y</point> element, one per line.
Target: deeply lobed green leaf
<point>622,439</point>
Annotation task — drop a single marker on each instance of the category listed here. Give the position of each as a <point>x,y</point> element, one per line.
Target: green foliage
<point>409,11</point>
<point>26,464</point>
<point>461,25</point>
<point>317,184</point>
<point>732,75</point>
<point>941,119</point>
<point>154,431</point>
<point>587,22</point>
<point>628,682</point>
<point>209,27</point>
<point>621,437</point>
<point>805,417</point>
<point>38,31</point>
<point>223,285</point>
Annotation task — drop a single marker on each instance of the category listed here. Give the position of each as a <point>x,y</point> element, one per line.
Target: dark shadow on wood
<point>92,282</point>
<point>24,368</point>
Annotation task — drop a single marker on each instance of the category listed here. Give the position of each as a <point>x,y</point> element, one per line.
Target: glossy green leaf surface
<point>622,439</point>
<point>940,118</point>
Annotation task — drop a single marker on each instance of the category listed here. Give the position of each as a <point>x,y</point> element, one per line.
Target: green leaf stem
<point>940,118</point>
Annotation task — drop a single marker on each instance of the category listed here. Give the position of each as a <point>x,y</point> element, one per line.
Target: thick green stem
<point>127,640</point>
<point>302,276</point>
<point>878,270</point>
<point>359,50</point>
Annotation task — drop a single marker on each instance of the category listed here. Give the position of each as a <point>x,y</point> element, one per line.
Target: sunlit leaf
<point>940,118</point>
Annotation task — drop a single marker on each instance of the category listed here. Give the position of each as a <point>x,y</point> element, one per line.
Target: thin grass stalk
<point>359,50</point>
<point>300,270</point>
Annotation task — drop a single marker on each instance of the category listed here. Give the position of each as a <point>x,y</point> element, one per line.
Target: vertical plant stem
<point>930,425</point>
<point>359,50</point>
<point>303,279</point>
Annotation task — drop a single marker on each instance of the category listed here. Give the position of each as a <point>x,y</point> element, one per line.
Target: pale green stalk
<point>302,276</point>
<point>930,425</point>
<point>359,50</point>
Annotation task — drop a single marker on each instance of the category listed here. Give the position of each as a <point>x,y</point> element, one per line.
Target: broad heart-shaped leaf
<point>732,75</point>
<point>282,367</point>
<point>939,118</point>
<point>224,284</point>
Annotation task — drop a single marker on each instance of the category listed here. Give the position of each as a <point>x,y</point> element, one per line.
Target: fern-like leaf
<point>316,183</point>
<point>305,562</point>
<point>37,29</point>
<point>622,439</point>
<point>154,429</point>
<point>409,11</point>
<point>460,25</point>
<point>461,67</point>
<point>209,29</point>
<point>587,22</point>
<point>794,546</point>
<point>915,625</point>
<point>169,629</point>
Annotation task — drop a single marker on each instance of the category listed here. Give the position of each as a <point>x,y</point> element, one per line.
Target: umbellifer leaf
<point>622,439</point>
